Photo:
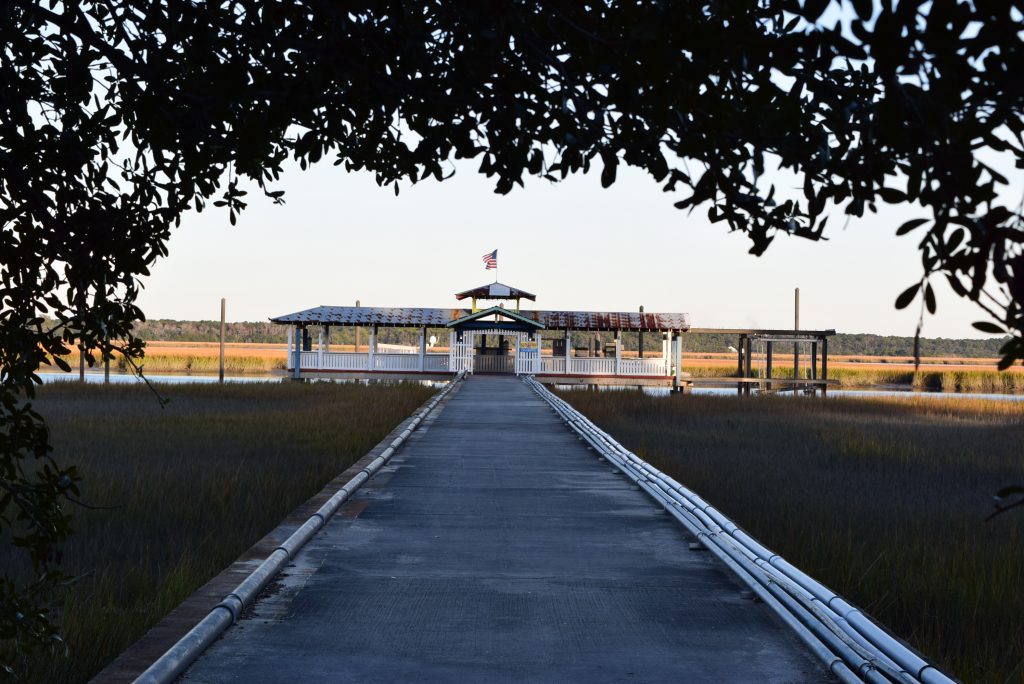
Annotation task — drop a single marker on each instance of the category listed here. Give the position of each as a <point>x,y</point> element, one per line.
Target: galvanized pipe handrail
<point>175,660</point>
<point>751,575</point>
<point>813,616</point>
<point>858,632</point>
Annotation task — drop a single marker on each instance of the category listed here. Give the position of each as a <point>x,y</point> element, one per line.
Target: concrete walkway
<point>496,548</point>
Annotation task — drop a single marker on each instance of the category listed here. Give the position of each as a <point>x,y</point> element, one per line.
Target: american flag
<point>491,260</point>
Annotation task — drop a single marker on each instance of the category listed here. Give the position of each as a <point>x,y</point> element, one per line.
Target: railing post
<point>320,349</point>
<point>298,351</point>
<point>423,348</point>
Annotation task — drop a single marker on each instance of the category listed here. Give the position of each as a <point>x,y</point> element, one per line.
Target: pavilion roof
<point>496,291</point>
<point>440,318</point>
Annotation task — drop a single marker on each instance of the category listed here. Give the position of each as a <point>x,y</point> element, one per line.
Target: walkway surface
<point>496,547</point>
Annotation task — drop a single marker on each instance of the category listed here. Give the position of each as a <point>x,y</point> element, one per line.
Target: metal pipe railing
<point>175,660</point>
<point>845,638</point>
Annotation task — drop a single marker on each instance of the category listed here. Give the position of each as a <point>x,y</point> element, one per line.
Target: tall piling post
<point>223,311</point>
<point>640,335</point>
<point>357,331</point>
<point>796,326</point>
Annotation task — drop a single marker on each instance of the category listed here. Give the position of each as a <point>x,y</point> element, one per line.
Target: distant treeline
<point>847,344</point>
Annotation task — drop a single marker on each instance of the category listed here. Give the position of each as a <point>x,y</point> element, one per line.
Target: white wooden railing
<point>555,365</point>
<point>351,361</point>
<point>643,367</point>
<point>526,364</point>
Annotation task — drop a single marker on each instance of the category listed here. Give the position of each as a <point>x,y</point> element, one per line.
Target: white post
<point>618,351</point>
<point>515,361</point>
<point>665,355</point>
<point>679,358</point>
<point>320,348</point>
<point>371,351</point>
<point>298,351</point>
<point>568,352</point>
<point>288,352</point>
<point>423,348</point>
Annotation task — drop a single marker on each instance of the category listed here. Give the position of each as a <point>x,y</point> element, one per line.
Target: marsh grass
<point>970,380</point>
<point>881,499</point>
<point>193,486</point>
<point>158,361</point>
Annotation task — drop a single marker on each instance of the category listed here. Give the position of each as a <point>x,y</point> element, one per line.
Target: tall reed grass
<point>157,362</point>
<point>192,486</point>
<point>884,500</point>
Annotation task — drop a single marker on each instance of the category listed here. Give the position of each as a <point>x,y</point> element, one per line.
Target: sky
<point>341,238</point>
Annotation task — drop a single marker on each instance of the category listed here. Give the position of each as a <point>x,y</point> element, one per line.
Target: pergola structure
<point>516,335</point>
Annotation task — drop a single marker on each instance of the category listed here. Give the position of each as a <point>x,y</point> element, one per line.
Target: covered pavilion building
<point>488,339</point>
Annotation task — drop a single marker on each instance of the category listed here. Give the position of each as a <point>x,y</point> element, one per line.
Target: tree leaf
<point>608,173</point>
<point>911,225</point>
<point>929,298</point>
<point>903,301</point>
<point>986,327</point>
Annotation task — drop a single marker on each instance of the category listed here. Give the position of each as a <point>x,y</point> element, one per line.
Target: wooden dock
<point>496,547</point>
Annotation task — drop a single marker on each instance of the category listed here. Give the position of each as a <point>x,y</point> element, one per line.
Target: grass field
<point>193,486</point>
<point>883,500</point>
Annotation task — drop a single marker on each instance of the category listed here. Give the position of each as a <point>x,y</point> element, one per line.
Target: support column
<point>666,357</point>
<point>796,327</point>
<point>423,348</point>
<point>618,351</point>
<point>288,350</point>
<point>746,369</point>
<point>106,357</point>
<point>328,342</point>
<point>372,350</point>
<point>451,352</point>
<point>515,360</point>
<point>568,351</point>
<point>768,359</point>
<point>320,348</point>
<point>739,354</point>
<point>297,358</point>
<point>222,335</point>
<point>678,342</point>
<point>824,358</point>
<point>814,360</point>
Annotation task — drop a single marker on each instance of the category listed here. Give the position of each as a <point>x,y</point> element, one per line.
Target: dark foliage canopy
<point>118,116</point>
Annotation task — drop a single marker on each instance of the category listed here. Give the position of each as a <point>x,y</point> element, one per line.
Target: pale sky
<point>575,245</point>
